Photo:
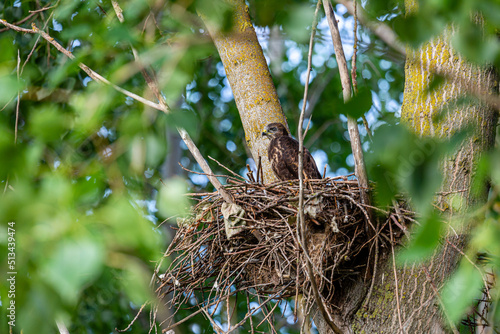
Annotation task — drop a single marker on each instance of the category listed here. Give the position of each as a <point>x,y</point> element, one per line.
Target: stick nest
<point>263,257</point>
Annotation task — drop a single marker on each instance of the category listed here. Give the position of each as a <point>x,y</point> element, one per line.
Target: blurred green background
<point>81,165</point>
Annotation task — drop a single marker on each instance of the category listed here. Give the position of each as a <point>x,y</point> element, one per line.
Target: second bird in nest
<point>283,153</point>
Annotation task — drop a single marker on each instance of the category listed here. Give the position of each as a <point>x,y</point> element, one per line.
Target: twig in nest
<point>214,267</point>
<point>250,173</point>
<point>301,224</point>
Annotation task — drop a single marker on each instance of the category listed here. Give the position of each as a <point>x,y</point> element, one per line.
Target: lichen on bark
<point>248,74</point>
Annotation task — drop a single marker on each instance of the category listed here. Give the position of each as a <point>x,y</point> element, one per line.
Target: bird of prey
<point>283,154</point>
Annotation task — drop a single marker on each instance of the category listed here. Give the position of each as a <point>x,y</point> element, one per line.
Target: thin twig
<point>163,106</point>
<point>352,124</point>
<point>91,73</point>
<point>301,223</point>
<point>207,257</point>
<point>355,50</point>
<point>395,279</point>
<point>20,21</point>
<point>18,95</point>
<point>133,320</point>
<point>159,106</point>
<point>382,30</point>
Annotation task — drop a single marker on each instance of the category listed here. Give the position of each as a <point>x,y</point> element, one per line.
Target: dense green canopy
<point>82,164</point>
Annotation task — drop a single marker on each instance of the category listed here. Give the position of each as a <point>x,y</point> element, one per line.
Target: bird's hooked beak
<point>265,133</point>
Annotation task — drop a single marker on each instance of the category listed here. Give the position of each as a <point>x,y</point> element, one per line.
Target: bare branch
<point>153,85</point>
<point>352,124</point>
<point>162,106</point>
<point>383,31</point>
<point>386,34</point>
<point>301,223</point>
<point>19,22</point>
<point>204,165</point>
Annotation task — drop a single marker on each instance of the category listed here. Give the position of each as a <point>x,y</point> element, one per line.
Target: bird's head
<point>275,130</point>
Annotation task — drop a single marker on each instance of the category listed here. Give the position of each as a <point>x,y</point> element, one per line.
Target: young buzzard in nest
<point>283,152</point>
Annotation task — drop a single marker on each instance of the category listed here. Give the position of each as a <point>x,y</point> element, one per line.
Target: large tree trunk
<point>251,82</point>
<point>419,286</point>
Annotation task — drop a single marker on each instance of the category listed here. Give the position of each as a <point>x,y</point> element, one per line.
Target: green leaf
<point>461,290</point>
<point>48,124</point>
<point>185,119</point>
<point>437,82</point>
<point>135,282</point>
<point>358,105</point>
<point>9,87</point>
<point>171,199</point>
<point>471,42</point>
<point>386,187</point>
<point>297,21</point>
<point>129,230</point>
<point>416,29</point>
<point>155,150</point>
<point>73,264</point>
<point>424,241</point>
<point>217,12</point>
<point>424,175</point>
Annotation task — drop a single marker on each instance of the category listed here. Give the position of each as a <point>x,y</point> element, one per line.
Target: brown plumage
<point>283,152</point>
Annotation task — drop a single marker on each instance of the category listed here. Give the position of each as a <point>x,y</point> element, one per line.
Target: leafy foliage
<point>82,164</point>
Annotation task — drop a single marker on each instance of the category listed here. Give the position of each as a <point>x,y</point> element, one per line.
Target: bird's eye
<point>273,128</point>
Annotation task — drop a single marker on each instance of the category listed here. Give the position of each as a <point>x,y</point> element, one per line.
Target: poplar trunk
<point>251,83</point>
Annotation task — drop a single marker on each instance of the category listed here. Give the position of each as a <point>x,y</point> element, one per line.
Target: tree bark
<point>251,82</point>
<point>419,285</point>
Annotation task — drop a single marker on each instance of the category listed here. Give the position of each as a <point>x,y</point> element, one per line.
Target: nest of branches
<point>255,248</point>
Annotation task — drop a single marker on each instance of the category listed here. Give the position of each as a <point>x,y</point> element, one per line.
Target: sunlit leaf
<point>358,105</point>
<point>458,294</point>
<point>49,124</point>
<point>424,240</point>
<point>73,264</point>
<point>171,199</point>
<point>135,282</point>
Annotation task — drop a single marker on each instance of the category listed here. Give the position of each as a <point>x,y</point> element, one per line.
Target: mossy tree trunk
<point>419,285</point>
<point>251,82</point>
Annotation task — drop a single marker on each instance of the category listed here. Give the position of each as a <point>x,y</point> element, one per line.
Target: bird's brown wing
<point>310,168</point>
<point>281,156</point>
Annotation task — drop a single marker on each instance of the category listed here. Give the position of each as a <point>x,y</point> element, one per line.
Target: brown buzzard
<point>283,152</point>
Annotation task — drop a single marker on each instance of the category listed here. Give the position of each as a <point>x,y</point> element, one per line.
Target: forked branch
<point>352,124</point>
<point>162,106</point>
<point>301,222</point>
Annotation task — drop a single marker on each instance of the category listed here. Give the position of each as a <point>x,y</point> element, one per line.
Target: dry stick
<point>153,85</point>
<point>216,327</point>
<point>227,169</point>
<point>91,73</point>
<point>301,224</point>
<point>37,40</point>
<point>353,65</point>
<point>395,279</point>
<point>18,97</point>
<point>383,31</point>
<point>133,320</point>
<point>386,34</point>
<point>352,124</point>
<point>204,165</point>
<point>159,106</point>
<point>249,309</point>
